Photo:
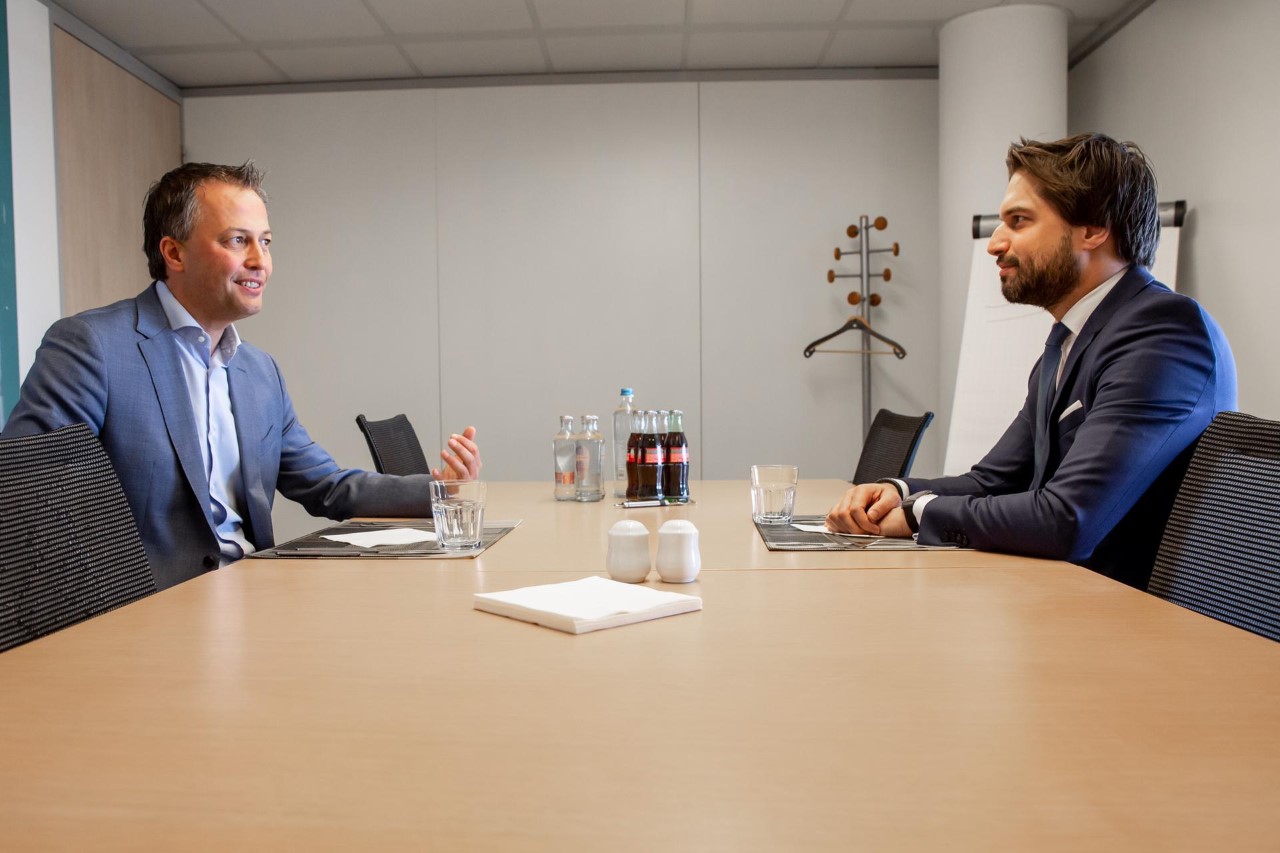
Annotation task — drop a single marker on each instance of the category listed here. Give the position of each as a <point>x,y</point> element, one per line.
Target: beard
<point>1042,284</point>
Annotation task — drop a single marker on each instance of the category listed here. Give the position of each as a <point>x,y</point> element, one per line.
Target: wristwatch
<point>909,509</point>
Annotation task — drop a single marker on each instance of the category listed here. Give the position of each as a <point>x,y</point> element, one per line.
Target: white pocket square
<point>1069,409</point>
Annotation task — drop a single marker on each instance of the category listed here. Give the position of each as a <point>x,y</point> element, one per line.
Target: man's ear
<point>1094,236</point>
<point>172,251</point>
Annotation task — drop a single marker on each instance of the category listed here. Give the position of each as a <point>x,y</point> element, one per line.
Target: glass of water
<point>773,493</point>
<point>458,509</point>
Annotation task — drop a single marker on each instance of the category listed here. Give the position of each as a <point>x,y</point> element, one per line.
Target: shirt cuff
<point>900,485</point>
<point>920,504</point>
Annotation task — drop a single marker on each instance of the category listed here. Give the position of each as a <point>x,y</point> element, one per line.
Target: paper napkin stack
<point>590,604</point>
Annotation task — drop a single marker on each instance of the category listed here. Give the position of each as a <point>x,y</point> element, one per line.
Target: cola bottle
<point>675,469</point>
<point>633,455</point>
<point>649,459</point>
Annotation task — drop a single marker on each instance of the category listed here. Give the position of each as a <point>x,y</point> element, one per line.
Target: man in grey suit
<point>1131,376</point>
<point>198,423</point>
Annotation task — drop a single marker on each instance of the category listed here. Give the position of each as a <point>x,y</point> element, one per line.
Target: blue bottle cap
<point>627,392</point>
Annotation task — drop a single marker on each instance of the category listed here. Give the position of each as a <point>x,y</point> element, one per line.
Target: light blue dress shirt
<point>206,377</point>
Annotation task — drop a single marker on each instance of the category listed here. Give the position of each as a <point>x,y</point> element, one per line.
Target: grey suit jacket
<point>117,369</point>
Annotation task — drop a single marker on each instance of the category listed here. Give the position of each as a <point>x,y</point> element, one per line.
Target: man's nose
<point>999,242</point>
<point>256,256</point>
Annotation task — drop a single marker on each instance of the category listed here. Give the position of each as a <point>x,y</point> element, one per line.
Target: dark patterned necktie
<point>1044,399</point>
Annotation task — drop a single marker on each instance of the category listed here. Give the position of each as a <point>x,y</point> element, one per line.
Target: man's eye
<point>237,240</point>
<point>266,241</point>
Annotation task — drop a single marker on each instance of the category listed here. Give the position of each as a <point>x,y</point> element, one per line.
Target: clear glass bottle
<point>563,451</point>
<point>589,460</point>
<point>622,429</point>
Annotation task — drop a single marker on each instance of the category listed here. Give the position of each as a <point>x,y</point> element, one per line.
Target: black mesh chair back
<point>891,446</point>
<point>69,548</point>
<point>394,445</point>
<point>1220,554</point>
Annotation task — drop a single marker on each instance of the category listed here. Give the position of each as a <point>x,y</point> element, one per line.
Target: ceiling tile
<point>781,49</point>
<point>136,24</point>
<point>554,14</point>
<point>867,47</point>
<point>294,20</point>
<point>409,17</point>
<point>766,11</point>
<point>369,62</point>
<point>214,68</point>
<point>464,58</point>
<point>616,53</point>
<point>913,11</point>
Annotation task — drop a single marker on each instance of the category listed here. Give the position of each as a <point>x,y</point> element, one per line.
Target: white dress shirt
<point>205,373</point>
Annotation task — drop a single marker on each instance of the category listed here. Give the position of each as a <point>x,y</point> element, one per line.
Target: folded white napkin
<point>589,604</point>
<point>822,528</point>
<point>391,536</point>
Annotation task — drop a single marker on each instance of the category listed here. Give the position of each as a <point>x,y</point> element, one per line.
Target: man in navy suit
<point>197,423</point>
<point>1132,375</point>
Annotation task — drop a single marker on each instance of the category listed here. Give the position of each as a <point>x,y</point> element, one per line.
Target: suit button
<point>210,562</point>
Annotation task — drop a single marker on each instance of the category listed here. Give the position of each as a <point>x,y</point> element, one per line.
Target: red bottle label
<point>677,455</point>
<point>652,456</point>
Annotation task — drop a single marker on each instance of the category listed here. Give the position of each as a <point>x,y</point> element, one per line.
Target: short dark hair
<point>1091,179</point>
<point>172,205</point>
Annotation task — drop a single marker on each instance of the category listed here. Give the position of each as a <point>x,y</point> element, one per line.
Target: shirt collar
<point>1077,315</point>
<point>180,318</point>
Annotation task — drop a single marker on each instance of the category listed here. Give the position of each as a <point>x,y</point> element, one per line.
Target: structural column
<point>1002,75</point>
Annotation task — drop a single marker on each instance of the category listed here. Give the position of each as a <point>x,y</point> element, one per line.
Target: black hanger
<point>856,323</point>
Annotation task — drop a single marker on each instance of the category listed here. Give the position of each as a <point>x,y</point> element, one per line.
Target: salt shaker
<point>628,557</point>
<point>679,560</point>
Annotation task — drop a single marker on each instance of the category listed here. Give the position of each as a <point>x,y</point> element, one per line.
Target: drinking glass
<point>458,509</point>
<point>773,493</point>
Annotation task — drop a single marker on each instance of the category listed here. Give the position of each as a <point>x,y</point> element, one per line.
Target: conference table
<point>834,700</point>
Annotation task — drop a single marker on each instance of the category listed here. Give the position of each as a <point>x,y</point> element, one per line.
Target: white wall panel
<point>35,195</point>
<point>500,256</point>
<point>1194,85</point>
<point>568,260</point>
<point>786,166</point>
<point>350,312</point>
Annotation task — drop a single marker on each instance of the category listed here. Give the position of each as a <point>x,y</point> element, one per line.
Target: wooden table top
<point>571,536</point>
<point>366,705</point>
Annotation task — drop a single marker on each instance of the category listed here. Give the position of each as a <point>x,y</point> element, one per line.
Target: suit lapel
<point>247,407</point>
<point>159,349</point>
<point>1126,288</point>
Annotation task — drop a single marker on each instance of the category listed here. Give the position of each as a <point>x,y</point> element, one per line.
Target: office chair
<point>394,445</point>
<point>69,548</point>
<point>1220,553</point>
<point>891,446</point>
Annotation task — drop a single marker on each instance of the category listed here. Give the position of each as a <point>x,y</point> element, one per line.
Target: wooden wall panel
<point>115,136</point>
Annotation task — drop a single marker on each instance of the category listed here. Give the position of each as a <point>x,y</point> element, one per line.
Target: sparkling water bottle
<point>589,460</point>
<point>563,449</point>
<point>622,429</point>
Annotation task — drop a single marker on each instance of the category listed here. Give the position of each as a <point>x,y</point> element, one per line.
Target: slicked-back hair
<point>172,204</point>
<point>1091,179</point>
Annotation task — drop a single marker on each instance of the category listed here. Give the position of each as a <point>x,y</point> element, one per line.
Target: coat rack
<point>864,299</point>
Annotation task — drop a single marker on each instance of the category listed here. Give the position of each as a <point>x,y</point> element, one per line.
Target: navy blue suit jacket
<point>117,369</point>
<point>1148,371</point>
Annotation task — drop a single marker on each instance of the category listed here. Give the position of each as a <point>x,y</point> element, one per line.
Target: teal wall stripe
<point>8,270</point>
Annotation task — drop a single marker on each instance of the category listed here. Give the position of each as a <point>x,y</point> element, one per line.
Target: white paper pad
<point>589,604</point>
<point>392,536</point>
